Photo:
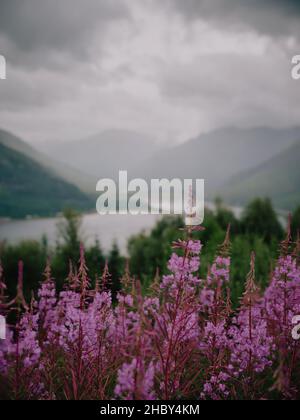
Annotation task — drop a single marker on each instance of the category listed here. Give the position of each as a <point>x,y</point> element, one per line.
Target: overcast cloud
<point>168,68</point>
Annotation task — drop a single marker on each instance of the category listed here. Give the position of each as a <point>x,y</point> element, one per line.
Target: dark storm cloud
<point>56,24</point>
<point>169,68</point>
<point>274,17</point>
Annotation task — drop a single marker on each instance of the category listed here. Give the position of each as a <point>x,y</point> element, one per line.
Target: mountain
<point>224,158</point>
<point>278,178</point>
<point>105,154</point>
<point>67,173</point>
<point>27,188</point>
<point>219,155</point>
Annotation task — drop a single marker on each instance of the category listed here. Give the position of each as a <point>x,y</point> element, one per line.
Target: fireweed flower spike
<point>135,382</point>
<point>47,299</point>
<point>251,344</point>
<point>282,303</point>
<point>106,278</point>
<point>20,300</point>
<point>215,307</point>
<point>212,296</point>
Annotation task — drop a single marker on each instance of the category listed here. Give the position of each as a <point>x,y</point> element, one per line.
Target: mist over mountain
<point>219,155</point>
<point>279,178</point>
<point>215,156</point>
<point>105,154</point>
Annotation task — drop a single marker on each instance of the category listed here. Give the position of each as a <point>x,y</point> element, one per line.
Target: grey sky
<point>168,68</point>
<point>275,17</point>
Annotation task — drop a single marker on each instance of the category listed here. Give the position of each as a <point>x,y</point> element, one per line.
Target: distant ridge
<point>28,189</point>
<point>278,178</point>
<point>67,173</point>
<point>219,155</point>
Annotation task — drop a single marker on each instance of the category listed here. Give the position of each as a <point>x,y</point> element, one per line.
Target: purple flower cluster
<point>181,341</point>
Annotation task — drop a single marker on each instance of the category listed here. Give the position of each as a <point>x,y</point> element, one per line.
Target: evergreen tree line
<point>258,229</point>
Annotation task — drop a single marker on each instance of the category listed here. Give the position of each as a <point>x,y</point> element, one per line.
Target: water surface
<point>106,229</point>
